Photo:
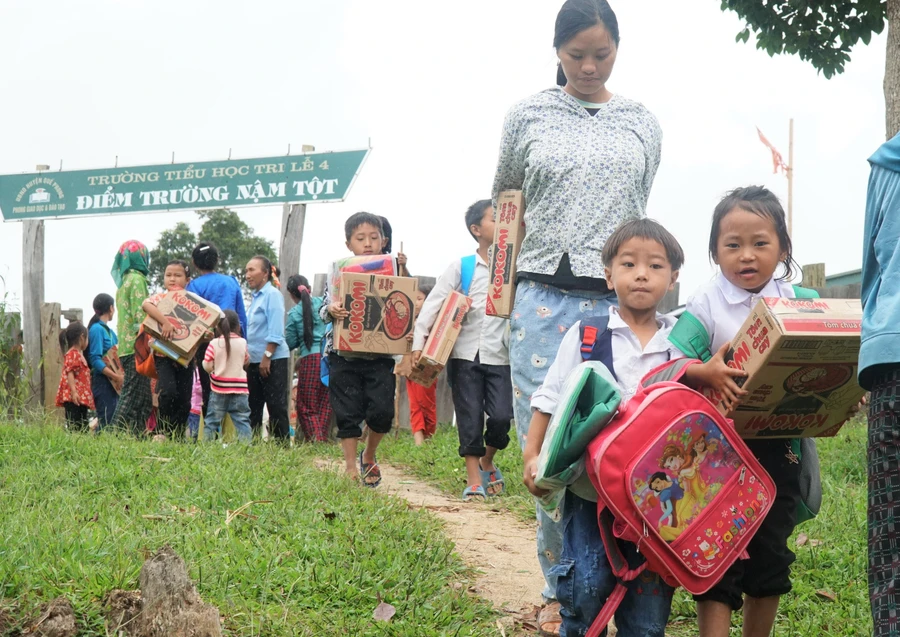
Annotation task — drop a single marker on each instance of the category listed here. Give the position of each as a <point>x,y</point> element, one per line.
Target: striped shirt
<point>226,372</point>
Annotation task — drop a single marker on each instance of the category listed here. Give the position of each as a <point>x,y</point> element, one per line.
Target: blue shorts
<point>585,580</point>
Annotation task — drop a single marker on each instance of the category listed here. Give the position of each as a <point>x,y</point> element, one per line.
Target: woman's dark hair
<point>102,304</point>
<point>475,214</point>
<point>266,265</point>
<point>74,331</point>
<point>425,288</point>
<point>205,257</point>
<point>298,286</point>
<point>762,202</point>
<point>231,323</point>
<point>576,16</point>
<point>184,264</point>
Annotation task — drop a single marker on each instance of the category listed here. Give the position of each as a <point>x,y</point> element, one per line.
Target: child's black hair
<point>74,331</point>
<point>475,214</point>
<point>358,219</point>
<point>298,286</point>
<point>643,229</point>
<point>576,16</point>
<point>387,234</point>
<point>102,304</point>
<point>762,202</point>
<point>228,325</point>
<point>184,264</point>
<point>425,288</point>
<point>205,257</point>
<point>266,265</point>
<point>659,475</point>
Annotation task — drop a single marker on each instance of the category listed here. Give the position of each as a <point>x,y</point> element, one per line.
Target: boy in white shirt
<point>479,363</point>
<point>641,261</point>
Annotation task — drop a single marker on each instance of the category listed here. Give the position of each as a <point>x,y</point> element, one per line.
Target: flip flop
<point>549,620</point>
<point>491,480</point>
<point>369,473</point>
<point>473,493</point>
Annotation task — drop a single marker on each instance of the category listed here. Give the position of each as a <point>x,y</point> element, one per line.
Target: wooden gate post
<point>32,297</point>
<point>52,353</point>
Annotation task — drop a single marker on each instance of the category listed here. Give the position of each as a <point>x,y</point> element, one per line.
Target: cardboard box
<point>509,232</point>
<point>191,317</point>
<point>381,313</point>
<point>383,264</point>
<point>441,339</point>
<point>801,356</point>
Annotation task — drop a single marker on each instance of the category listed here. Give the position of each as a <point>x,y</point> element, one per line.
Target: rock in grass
<point>166,606</point>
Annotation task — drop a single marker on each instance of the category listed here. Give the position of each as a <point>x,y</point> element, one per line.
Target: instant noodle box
<point>441,340</point>
<point>381,313</point>
<point>801,356</point>
<point>509,232</point>
<point>190,316</point>
<point>383,264</point>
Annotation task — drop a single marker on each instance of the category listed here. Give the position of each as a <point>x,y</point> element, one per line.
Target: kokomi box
<point>509,232</point>
<point>801,356</point>
<point>190,316</point>
<point>381,313</point>
<point>441,339</point>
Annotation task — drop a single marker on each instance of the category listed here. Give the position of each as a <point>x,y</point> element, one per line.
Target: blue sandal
<point>492,481</point>
<point>472,493</point>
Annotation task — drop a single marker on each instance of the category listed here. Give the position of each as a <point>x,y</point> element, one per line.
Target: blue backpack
<point>324,366</point>
<point>467,273</point>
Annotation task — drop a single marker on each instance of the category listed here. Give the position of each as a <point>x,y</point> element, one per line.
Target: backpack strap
<point>804,293</point>
<point>620,568</point>
<point>467,273</point>
<point>690,336</point>
<point>596,341</point>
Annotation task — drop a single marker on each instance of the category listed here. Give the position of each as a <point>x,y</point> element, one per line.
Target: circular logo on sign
<point>397,315</point>
<point>181,331</point>
<point>817,379</point>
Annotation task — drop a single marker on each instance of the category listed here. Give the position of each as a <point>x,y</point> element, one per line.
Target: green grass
<point>837,565</point>
<point>312,562</point>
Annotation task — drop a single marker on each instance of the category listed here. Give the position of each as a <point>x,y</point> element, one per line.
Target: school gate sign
<point>314,177</point>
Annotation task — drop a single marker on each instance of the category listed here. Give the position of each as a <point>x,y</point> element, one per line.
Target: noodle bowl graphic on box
<point>676,481</point>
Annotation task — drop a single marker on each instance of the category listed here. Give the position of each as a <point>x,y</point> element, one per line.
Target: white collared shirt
<point>487,336</point>
<point>722,307</point>
<point>631,362</point>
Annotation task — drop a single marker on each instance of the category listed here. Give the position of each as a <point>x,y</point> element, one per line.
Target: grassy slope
<point>312,563</point>
<point>837,565</point>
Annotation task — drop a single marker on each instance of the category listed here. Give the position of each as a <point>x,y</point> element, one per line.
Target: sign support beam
<point>32,297</point>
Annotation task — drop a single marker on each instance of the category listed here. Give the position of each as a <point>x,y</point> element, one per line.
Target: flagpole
<point>790,180</point>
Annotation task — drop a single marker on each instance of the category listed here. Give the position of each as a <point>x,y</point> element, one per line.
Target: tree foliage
<point>234,239</point>
<point>821,33</point>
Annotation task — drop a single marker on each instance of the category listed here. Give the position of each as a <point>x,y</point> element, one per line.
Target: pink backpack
<point>674,479</point>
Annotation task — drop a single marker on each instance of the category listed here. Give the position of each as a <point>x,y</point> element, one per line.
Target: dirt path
<point>499,546</point>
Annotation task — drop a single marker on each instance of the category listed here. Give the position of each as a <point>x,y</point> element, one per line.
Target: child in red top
<point>422,400</point>
<point>74,393</point>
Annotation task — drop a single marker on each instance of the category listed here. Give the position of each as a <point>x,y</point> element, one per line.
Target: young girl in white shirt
<point>749,241</point>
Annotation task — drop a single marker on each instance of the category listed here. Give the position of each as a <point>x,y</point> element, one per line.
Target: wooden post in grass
<point>52,354</point>
<point>32,297</point>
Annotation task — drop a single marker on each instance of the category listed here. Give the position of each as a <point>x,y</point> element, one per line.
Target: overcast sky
<point>429,84</point>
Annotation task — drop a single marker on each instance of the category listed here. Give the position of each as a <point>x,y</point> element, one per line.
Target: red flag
<point>777,159</point>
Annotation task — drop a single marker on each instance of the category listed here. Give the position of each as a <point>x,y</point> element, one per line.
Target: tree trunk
<point>892,70</point>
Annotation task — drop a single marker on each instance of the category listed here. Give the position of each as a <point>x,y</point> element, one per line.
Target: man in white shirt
<point>479,363</point>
